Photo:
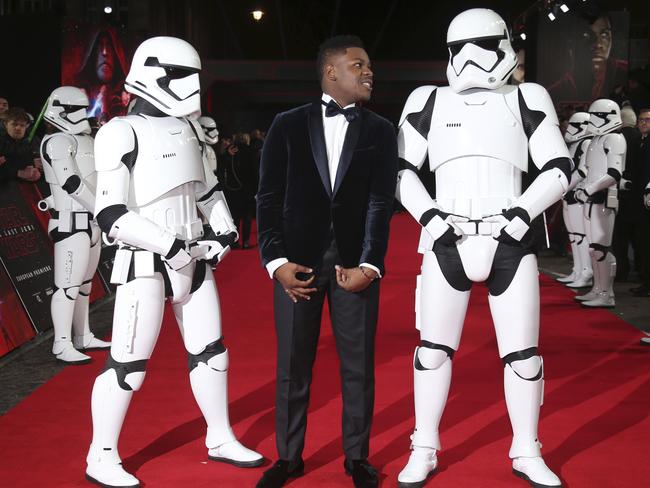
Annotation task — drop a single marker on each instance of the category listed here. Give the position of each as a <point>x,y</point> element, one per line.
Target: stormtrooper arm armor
<point>646,196</point>
<point>212,204</point>
<point>412,147</point>
<point>61,150</point>
<point>615,148</point>
<point>115,153</point>
<point>549,153</point>
<point>580,171</point>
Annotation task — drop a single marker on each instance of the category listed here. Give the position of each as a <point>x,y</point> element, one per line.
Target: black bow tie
<point>332,108</point>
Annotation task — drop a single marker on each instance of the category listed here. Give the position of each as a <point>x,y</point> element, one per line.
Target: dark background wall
<point>395,31</point>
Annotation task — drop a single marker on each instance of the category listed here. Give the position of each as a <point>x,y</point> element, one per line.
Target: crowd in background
<point>238,158</point>
<point>631,238</point>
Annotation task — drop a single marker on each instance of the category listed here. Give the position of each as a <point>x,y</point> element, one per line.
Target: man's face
<point>353,75</point>
<point>601,39</point>
<point>16,129</point>
<point>519,74</point>
<point>4,105</point>
<point>105,60</point>
<point>643,123</point>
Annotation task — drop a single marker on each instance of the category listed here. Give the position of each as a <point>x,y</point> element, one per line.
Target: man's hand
<point>3,160</point>
<point>293,287</point>
<point>29,174</point>
<point>354,280</point>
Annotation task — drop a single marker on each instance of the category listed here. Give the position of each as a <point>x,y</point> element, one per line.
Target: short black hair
<point>335,45</point>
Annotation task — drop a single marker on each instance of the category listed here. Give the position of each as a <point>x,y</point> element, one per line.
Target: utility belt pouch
<point>80,220</point>
<point>65,221</point>
<point>612,198</point>
<point>143,264</point>
<point>121,266</point>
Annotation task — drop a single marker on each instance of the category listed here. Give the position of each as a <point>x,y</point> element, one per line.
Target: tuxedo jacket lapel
<point>318,149</point>
<point>349,144</point>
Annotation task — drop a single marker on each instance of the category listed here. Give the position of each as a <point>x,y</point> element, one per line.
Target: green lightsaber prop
<point>37,123</point>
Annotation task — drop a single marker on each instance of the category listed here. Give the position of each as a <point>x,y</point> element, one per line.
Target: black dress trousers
<point>354,321</point>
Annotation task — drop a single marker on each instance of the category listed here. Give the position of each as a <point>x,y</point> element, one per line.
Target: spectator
<point>625,227</point>
<point>4,107</point>
<point>16,155</point>
<point>640,181</point>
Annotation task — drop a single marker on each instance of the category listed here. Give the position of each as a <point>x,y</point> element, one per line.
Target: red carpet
<point>595,424</point>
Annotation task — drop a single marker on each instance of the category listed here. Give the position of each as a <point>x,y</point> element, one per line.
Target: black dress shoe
<point>362,472</point>
<point>640,291</point>
<point>278,474</point>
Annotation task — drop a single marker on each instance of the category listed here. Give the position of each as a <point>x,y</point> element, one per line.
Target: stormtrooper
<point>69,167</point>
<point>477,134</point>
<point>578,138</point>
<point>210,137</point>
<point>150,189</point>
<point>605,162</point>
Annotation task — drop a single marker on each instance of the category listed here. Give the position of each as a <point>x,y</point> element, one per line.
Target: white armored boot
<point>595,289</point>
<point>523,399</point>
<point>422,464</point>
<point>83,339</point>
<point>585,273</point>
<point>109,405</point>
<point>62,307</point>
<point>431,380</point>
<point>210,387</point>
<point>605,276</point>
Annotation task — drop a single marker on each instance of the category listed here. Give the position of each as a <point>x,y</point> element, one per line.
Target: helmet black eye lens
<point>488,44</point>
<point>174,73</point>
<point>455,48</point>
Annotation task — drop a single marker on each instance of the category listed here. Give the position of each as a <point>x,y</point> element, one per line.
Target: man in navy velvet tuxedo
<point>327,180</point>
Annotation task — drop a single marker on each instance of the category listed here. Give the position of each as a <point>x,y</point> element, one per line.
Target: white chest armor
<point>478,150</point>
<point>596,159</point>
<point>166,175</point>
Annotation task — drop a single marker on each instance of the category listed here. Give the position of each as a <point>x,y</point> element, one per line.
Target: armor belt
<point>479,227</point>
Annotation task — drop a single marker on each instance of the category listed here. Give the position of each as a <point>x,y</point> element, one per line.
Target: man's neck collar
<point>327,97</point>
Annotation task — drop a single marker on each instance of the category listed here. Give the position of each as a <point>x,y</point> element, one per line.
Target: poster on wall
<point>15,327</point>
<point>94,60</point>
<point>25,257</point>
<point>582,57</point>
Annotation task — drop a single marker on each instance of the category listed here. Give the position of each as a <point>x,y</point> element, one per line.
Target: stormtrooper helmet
<point>578,127</point>
<point>165,72</point>
<point>480,52</point>
<point>210,130</point>
<point>604,117</point>
<point>67,110</point>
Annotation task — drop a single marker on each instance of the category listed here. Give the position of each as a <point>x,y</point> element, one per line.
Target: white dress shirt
<point>335,129</point>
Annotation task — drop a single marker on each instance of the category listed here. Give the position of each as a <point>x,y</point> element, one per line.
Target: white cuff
<point>274,265</point>
<point>374,268</point>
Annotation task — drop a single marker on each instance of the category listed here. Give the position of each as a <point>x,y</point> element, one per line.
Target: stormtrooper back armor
<point>68,164</point>
<point>478,134</point>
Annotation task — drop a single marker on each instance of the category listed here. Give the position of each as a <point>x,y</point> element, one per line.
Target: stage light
<point>257,15</point>
<point>523,36</point>
<point>551,16</point>
<point>108,9</point>
<point>564,8</point>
